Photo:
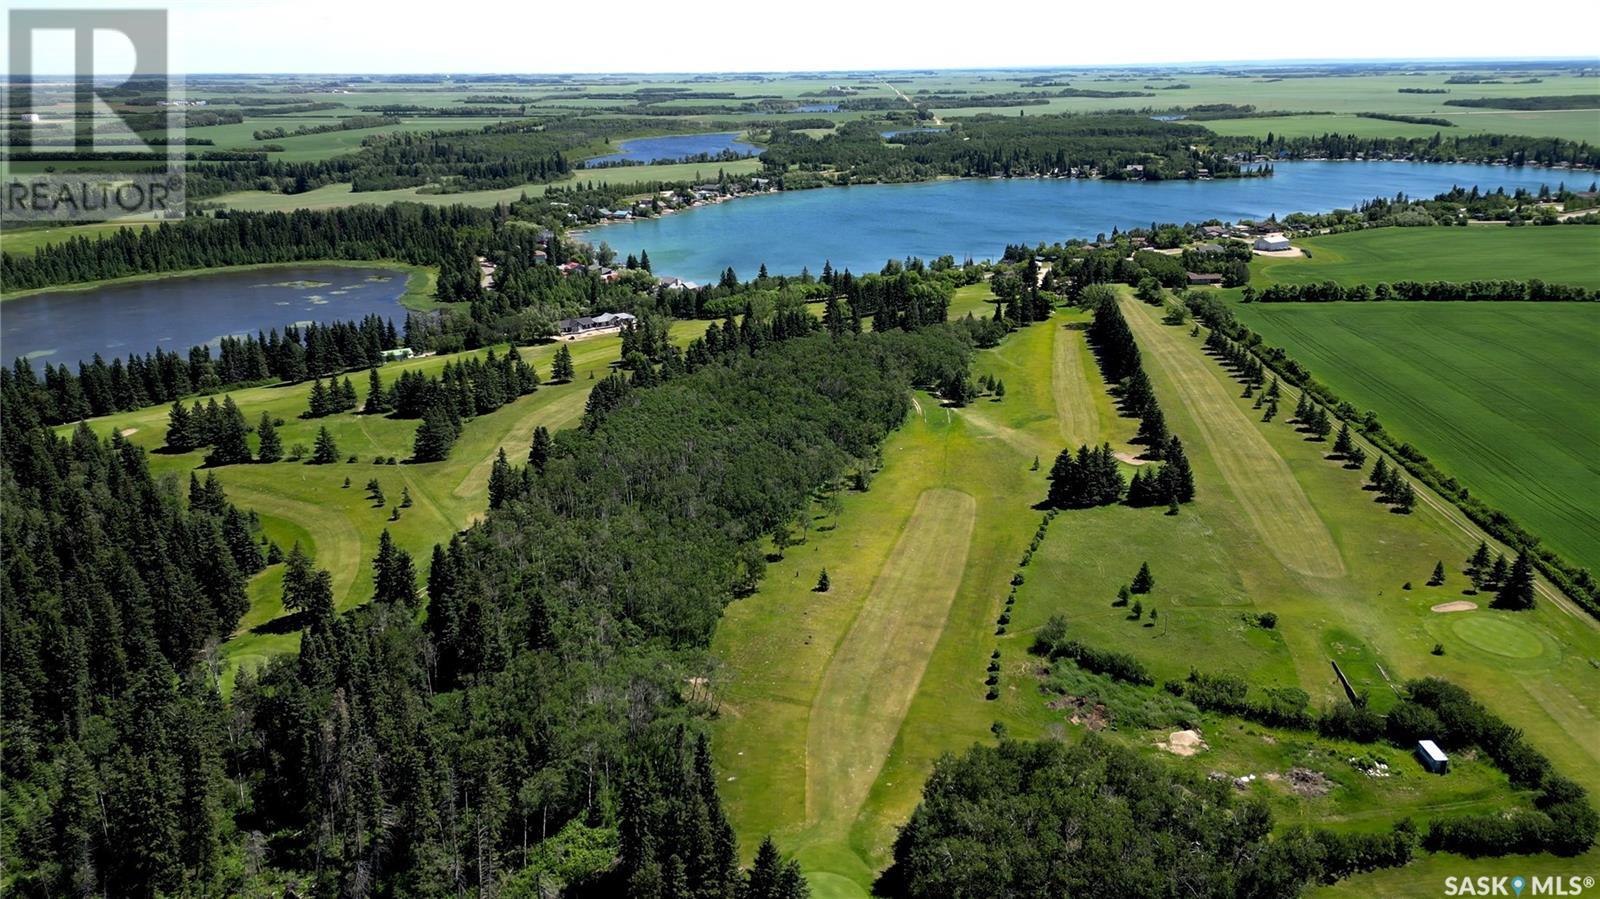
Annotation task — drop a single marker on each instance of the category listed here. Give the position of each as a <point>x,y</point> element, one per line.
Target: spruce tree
<point>394,577</point>
<point>822,582</point>
<point>1343,444</point>
<point>377,398</point>
<point>180,429</point>
<point>326,451</point>
<point>1143,582</point>
<point>232,446</point>
<point>501,480</point>
<point>1438,574</point>
<point>436,435</point>
<point>1177,479</point>
<point>1516,590</point>
<point>561,370</point>
<point>271,445</point>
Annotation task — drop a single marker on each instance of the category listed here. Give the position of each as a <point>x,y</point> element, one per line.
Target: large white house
<point>1273,243</point>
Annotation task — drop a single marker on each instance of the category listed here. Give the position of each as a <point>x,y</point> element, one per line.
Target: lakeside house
<point>1204,279</point>
<point>1208,248</point>
<point>1432,757</point>
<point>594,324</point>
<point>1273,243</point>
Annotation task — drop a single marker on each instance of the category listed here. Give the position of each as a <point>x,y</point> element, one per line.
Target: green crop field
<point>339,525</point>
<point>1469,384</point>
<point>813,689</point>
<point>1566,254</point>
<point>1499,395</point>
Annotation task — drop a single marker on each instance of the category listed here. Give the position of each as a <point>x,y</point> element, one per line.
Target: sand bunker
<point>1460,605</point>
<point>128,432</point>
<point>1184,742</point>
<point>1130,459</point>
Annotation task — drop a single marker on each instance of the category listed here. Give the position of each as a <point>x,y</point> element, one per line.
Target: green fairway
<point>1559,255</point>
<point>807,698</point>
<point>340,525</point>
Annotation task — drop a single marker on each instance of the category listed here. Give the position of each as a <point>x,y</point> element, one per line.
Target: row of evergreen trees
<point>1091,477</point>
<point>100,388</point>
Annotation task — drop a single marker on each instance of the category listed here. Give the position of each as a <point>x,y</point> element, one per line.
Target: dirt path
<point>877,667</point>
<point>1274,501</point>
<point>1075,405</point>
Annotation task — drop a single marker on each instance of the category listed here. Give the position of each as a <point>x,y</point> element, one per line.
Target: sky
<point>539,36</point>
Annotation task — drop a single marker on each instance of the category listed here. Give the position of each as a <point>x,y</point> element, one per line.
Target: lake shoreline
<point>418,296</point>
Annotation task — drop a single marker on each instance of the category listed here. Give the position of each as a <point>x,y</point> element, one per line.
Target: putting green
<point>1500,636</point>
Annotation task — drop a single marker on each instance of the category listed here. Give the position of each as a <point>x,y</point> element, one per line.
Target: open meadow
<point>834,705</point>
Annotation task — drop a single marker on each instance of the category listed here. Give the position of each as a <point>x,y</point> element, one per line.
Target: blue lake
<point>860,227</point>
<point>675,148</point>
<point>176,313</point>
<point>890,135</point>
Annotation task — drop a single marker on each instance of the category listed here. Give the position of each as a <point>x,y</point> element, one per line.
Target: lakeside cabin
<point>593,324</point>
<point>1432,757</point>
<point>1273,243</point>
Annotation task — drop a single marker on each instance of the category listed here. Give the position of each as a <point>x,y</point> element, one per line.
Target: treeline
<point>1574,581</point>
<point>315,351</point>
<point>1408,119</point>
<point>1091,477</point>
<point>1006,146</point>
<point>1568,101</point>
<point>1532,290</point>
<point>351,123</point>
<point>1490,148</point>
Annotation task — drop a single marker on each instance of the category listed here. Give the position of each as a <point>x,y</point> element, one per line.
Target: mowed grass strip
<point>876,669</point>
<point>1275,502</point>
<point>1076,410</point>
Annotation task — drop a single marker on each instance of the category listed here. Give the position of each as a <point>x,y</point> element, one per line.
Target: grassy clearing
<point>1215,569</point>
<point>339,525</point>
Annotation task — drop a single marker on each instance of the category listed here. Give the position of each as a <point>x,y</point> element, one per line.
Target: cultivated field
<point>1499,395</point>
<point>796,689</point>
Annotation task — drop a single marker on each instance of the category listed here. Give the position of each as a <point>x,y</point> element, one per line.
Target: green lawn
<point>340,526</point>
<point>811,683</point>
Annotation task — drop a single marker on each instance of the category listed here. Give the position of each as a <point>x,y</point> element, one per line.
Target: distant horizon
<point>724,37</point>
<point>918,70</point>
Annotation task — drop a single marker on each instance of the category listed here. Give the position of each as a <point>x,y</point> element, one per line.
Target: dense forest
<point>531,725</point>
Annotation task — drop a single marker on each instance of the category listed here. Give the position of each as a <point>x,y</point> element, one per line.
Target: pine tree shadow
<point>288,624</point>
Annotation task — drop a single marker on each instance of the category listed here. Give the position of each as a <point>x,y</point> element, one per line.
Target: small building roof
<point>1432,751</point>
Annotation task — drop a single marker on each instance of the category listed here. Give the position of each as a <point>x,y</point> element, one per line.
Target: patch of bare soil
<point>1094,717</point>
<point>1307,782</point>
<point>1184,742</point>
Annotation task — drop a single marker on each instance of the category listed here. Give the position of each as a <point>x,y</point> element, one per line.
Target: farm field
<point>339,525</point>
<point>332,196</point>
<point>1467,383</point>
<point>1335,581</point>
<point>1471,385</point>
<point>1558,255</point>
